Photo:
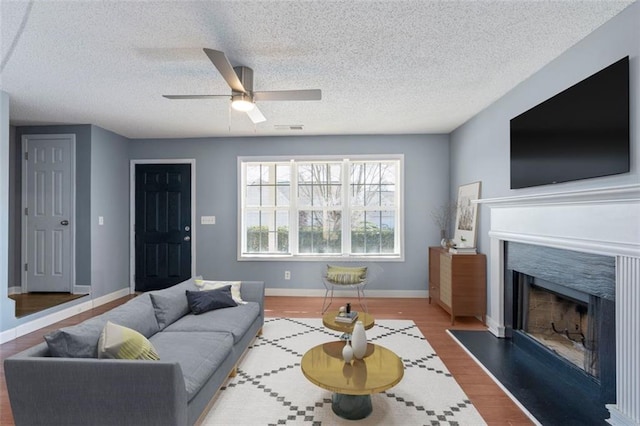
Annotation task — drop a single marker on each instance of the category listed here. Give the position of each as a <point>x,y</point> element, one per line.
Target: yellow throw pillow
<point>118,342</point>
<point>346,275</point>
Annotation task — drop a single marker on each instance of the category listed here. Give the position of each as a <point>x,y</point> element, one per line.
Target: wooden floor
<point>493,404</point>
<point>29,303</point>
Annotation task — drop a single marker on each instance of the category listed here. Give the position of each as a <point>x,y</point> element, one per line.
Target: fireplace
<point>561,308</point>
<point>601,222</point>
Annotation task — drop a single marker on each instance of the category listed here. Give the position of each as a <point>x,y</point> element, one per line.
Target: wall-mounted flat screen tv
<point>580,133</point>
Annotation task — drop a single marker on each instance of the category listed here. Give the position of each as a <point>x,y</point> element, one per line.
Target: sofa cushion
<point>233,320</point>
<point>198,353</point>
<point>81,340</point>
<point>118,342</point>
<point>171,303</point>
<point>212,285</point>
<point>208,300</point>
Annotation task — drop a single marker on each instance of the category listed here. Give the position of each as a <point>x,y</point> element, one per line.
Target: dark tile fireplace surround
<point>560,309</point>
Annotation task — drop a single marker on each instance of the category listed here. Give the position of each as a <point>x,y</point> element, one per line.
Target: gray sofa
<point>197,354</point>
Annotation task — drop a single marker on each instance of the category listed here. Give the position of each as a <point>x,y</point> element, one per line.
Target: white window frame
<point>346,218</point>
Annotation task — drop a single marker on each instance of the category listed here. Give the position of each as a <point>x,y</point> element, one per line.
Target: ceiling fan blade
<point>256,115</point>
<point>195,96</point>
<point>225,69</point>
<point>289,95</point>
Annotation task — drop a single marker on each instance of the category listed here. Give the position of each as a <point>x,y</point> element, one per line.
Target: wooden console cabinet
<point>458,282</point>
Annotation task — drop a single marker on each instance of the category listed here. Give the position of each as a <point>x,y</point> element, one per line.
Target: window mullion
<point>346,208</point>
<point>293,209</point>
<point>243,207</point>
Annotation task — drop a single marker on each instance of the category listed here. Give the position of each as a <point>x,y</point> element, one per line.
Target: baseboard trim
<point>346,293</point>
<point>81,289</point>
<point>36,324</point>
<point>14,290</point>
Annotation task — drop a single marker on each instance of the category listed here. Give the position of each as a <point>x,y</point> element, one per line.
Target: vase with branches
<point>443,216</point>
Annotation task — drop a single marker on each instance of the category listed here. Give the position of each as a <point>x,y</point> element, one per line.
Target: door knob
<point>187,228</point>
<point>64,222</point>
<point>187,238</point>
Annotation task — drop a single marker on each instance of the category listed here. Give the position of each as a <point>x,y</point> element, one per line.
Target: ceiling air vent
<point>289,127</point>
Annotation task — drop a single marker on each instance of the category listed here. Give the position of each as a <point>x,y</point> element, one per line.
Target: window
<point>321,207</point>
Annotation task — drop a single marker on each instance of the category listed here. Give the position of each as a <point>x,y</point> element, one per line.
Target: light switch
<point>101,220</point>
<point>208,220</point>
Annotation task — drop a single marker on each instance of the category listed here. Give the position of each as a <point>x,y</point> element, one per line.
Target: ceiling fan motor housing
<point>245,74</point>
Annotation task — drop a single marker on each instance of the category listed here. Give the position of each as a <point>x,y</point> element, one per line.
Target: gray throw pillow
<point>208,300</point>
<point>169,308</point>
<point>170,304</point>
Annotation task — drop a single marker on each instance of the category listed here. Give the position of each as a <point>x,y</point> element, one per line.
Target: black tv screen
<point>582,132</point>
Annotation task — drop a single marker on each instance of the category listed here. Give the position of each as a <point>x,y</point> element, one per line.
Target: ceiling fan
<point>243,98</point>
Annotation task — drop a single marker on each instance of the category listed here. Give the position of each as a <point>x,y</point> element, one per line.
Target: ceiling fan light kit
<point>240,80</point>
<point>242,102</point>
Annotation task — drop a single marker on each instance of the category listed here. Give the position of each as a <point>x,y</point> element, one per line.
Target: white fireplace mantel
<point>604,221</point>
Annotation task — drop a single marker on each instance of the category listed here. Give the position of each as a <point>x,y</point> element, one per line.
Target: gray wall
<point>109,199</point>
<point>480,147</point>
<point>6,305</point>
<point>426,187</point>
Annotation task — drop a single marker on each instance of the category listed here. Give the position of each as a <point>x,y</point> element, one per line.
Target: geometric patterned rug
<point>270,388</point>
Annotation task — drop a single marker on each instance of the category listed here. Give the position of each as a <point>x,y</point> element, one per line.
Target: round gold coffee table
<point>352,383</point>
<point>329,321</point>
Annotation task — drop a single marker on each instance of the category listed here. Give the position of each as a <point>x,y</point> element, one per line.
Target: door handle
<point>187,238</point>
<point>64,222</point>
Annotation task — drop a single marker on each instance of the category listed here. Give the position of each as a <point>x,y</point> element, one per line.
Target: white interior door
<point>49,212</point>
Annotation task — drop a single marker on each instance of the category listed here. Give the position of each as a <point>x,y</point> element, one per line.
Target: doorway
<point>48,209</point>
<point>162,223</point>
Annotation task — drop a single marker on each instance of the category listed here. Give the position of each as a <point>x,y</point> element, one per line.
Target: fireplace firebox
<point>560,310</point>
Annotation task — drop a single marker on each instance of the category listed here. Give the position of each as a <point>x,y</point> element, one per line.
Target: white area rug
<point>270,388</point>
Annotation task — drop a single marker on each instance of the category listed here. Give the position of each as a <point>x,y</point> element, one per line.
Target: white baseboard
<point>14,290</point>
<point>36,324</point>
<point>346,293</point>
<point>81,289</point>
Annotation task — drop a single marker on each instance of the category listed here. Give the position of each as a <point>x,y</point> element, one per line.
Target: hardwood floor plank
<point>496,408</point>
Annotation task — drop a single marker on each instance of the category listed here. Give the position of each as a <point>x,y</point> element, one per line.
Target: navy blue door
<point>162,225</point>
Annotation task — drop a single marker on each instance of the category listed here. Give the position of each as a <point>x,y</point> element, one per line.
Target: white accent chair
<point>341,277</point>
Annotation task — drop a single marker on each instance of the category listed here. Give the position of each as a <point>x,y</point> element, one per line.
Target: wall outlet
<point>287,275</point>
<point>100,220</point>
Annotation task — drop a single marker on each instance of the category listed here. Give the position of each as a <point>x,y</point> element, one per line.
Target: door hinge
<point>26,267</point>
<point>26,156</point>
<point>26,211</point>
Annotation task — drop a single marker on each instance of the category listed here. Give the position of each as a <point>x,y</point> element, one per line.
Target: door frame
<point>132,212</point>
<point>24,285</point>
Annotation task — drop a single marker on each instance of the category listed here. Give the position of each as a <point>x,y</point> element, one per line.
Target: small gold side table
<point>352,383</point>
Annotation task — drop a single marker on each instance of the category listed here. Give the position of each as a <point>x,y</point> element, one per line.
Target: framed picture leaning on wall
<point>466,215</point>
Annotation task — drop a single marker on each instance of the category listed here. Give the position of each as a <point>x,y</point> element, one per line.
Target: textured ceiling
<point>383,67</point>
